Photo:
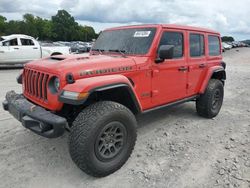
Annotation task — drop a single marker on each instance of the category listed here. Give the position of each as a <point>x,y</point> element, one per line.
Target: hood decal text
<point>104,71</point>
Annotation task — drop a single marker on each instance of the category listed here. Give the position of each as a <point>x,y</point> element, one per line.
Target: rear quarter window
<point>214,45</point>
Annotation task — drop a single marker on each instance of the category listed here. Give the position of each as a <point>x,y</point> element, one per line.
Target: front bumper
<point>33,117</point>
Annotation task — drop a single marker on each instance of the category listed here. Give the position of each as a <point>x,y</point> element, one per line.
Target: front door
<point>10,52</point>
<point>169,78</point>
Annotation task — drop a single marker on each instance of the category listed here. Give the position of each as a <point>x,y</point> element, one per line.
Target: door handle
<point>35,48</point>
<point>203,65</point>
<point>183,69</point>
<point>16,48</point>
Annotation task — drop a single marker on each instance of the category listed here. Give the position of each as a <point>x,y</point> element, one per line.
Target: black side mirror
<point>165,52</point>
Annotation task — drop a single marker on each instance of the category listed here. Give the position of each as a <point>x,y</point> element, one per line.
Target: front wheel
<point>209,104</point>
<point>102,138</point>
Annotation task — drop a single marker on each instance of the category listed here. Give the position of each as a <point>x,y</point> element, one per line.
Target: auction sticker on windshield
<point>142,33</point>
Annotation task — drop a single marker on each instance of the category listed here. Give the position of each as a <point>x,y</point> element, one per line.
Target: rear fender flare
<point>209,75</point>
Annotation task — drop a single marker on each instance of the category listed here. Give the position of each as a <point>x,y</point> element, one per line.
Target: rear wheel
<point>209,104</point>
<point>102,138</point>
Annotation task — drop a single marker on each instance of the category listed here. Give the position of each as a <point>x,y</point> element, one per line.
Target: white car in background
<point>226,46</point>
<point>18,49</point>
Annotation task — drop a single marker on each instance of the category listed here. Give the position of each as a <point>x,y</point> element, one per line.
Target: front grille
<point>35,83</point>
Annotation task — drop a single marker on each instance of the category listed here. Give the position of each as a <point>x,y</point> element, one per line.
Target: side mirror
<point>165,52</point>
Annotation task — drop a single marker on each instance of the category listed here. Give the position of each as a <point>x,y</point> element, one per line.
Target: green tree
<point>2,25</point>
<point>87,33</point>
<point>14,27</point>
<point>44,29</point>
<point>30,27</point>
<point>227,39</point>
<point>64,25</point>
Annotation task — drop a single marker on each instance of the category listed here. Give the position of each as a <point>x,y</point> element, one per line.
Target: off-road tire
<point>205,104</point>
<point>86,130</point>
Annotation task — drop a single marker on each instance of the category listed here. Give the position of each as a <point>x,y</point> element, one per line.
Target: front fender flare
<point>99,83</point>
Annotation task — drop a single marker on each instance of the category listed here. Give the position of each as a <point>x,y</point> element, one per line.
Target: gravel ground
<point>175,147</point>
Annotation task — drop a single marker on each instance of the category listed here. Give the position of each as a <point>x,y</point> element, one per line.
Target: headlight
<point>57,84</point>
<point>54,85</point>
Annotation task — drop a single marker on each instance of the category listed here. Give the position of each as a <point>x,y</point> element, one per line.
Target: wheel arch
<point>217,72</point>
<point>219,75</point>
<point>117,88</point>
<point>55,53</point>
<point>119,92</point>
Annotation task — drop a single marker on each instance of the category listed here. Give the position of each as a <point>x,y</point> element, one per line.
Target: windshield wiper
<point>98,50</point>
<point>122,52</point>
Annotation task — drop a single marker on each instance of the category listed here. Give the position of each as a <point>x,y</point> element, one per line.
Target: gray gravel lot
<point>175,147</point>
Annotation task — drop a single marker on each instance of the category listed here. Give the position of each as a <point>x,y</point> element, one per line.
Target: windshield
<point>127,41</point>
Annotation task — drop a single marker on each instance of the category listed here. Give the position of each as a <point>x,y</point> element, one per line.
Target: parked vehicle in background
<point>243,44</point>
<point>78,47</point>
<point>18,49</point>
<point>226,46</point>
<point>130,70</point>
<point>89,46</point>
<point>234,44</point>
<point>246,42</point>
<point>223,48</point>
<point>62,43</point>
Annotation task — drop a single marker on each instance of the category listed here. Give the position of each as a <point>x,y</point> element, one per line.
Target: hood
<point>83,65</point>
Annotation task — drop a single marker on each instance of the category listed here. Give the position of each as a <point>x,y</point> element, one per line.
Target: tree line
<point>61,27</point>
<point>227,39</point>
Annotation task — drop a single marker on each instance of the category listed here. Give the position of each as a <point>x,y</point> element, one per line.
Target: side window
<point>173,38</point>
<point>214,45</point>
<point>196,45</point>
<point>12,42</point>
<point>27,42</point>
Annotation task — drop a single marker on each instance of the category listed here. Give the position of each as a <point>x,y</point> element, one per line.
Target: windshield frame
<point>149,51</point>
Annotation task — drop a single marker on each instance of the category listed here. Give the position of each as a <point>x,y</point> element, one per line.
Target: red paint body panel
<point>154,84</point>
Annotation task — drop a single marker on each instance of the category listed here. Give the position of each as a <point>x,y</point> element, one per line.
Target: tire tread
<point>81,131</point>
<point>203,102</point>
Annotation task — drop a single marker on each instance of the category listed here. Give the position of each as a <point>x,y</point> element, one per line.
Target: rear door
<point>169,77</point>
<point>196,62</point>
<point>30,50</point>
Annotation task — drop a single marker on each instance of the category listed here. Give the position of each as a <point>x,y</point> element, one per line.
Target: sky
<point>229,17</point>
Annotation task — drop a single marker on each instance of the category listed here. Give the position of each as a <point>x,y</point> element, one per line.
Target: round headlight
<point>54,85</point>
<point>57,84</point>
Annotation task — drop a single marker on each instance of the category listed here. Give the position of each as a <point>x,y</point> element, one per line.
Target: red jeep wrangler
<point>130,70</point>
